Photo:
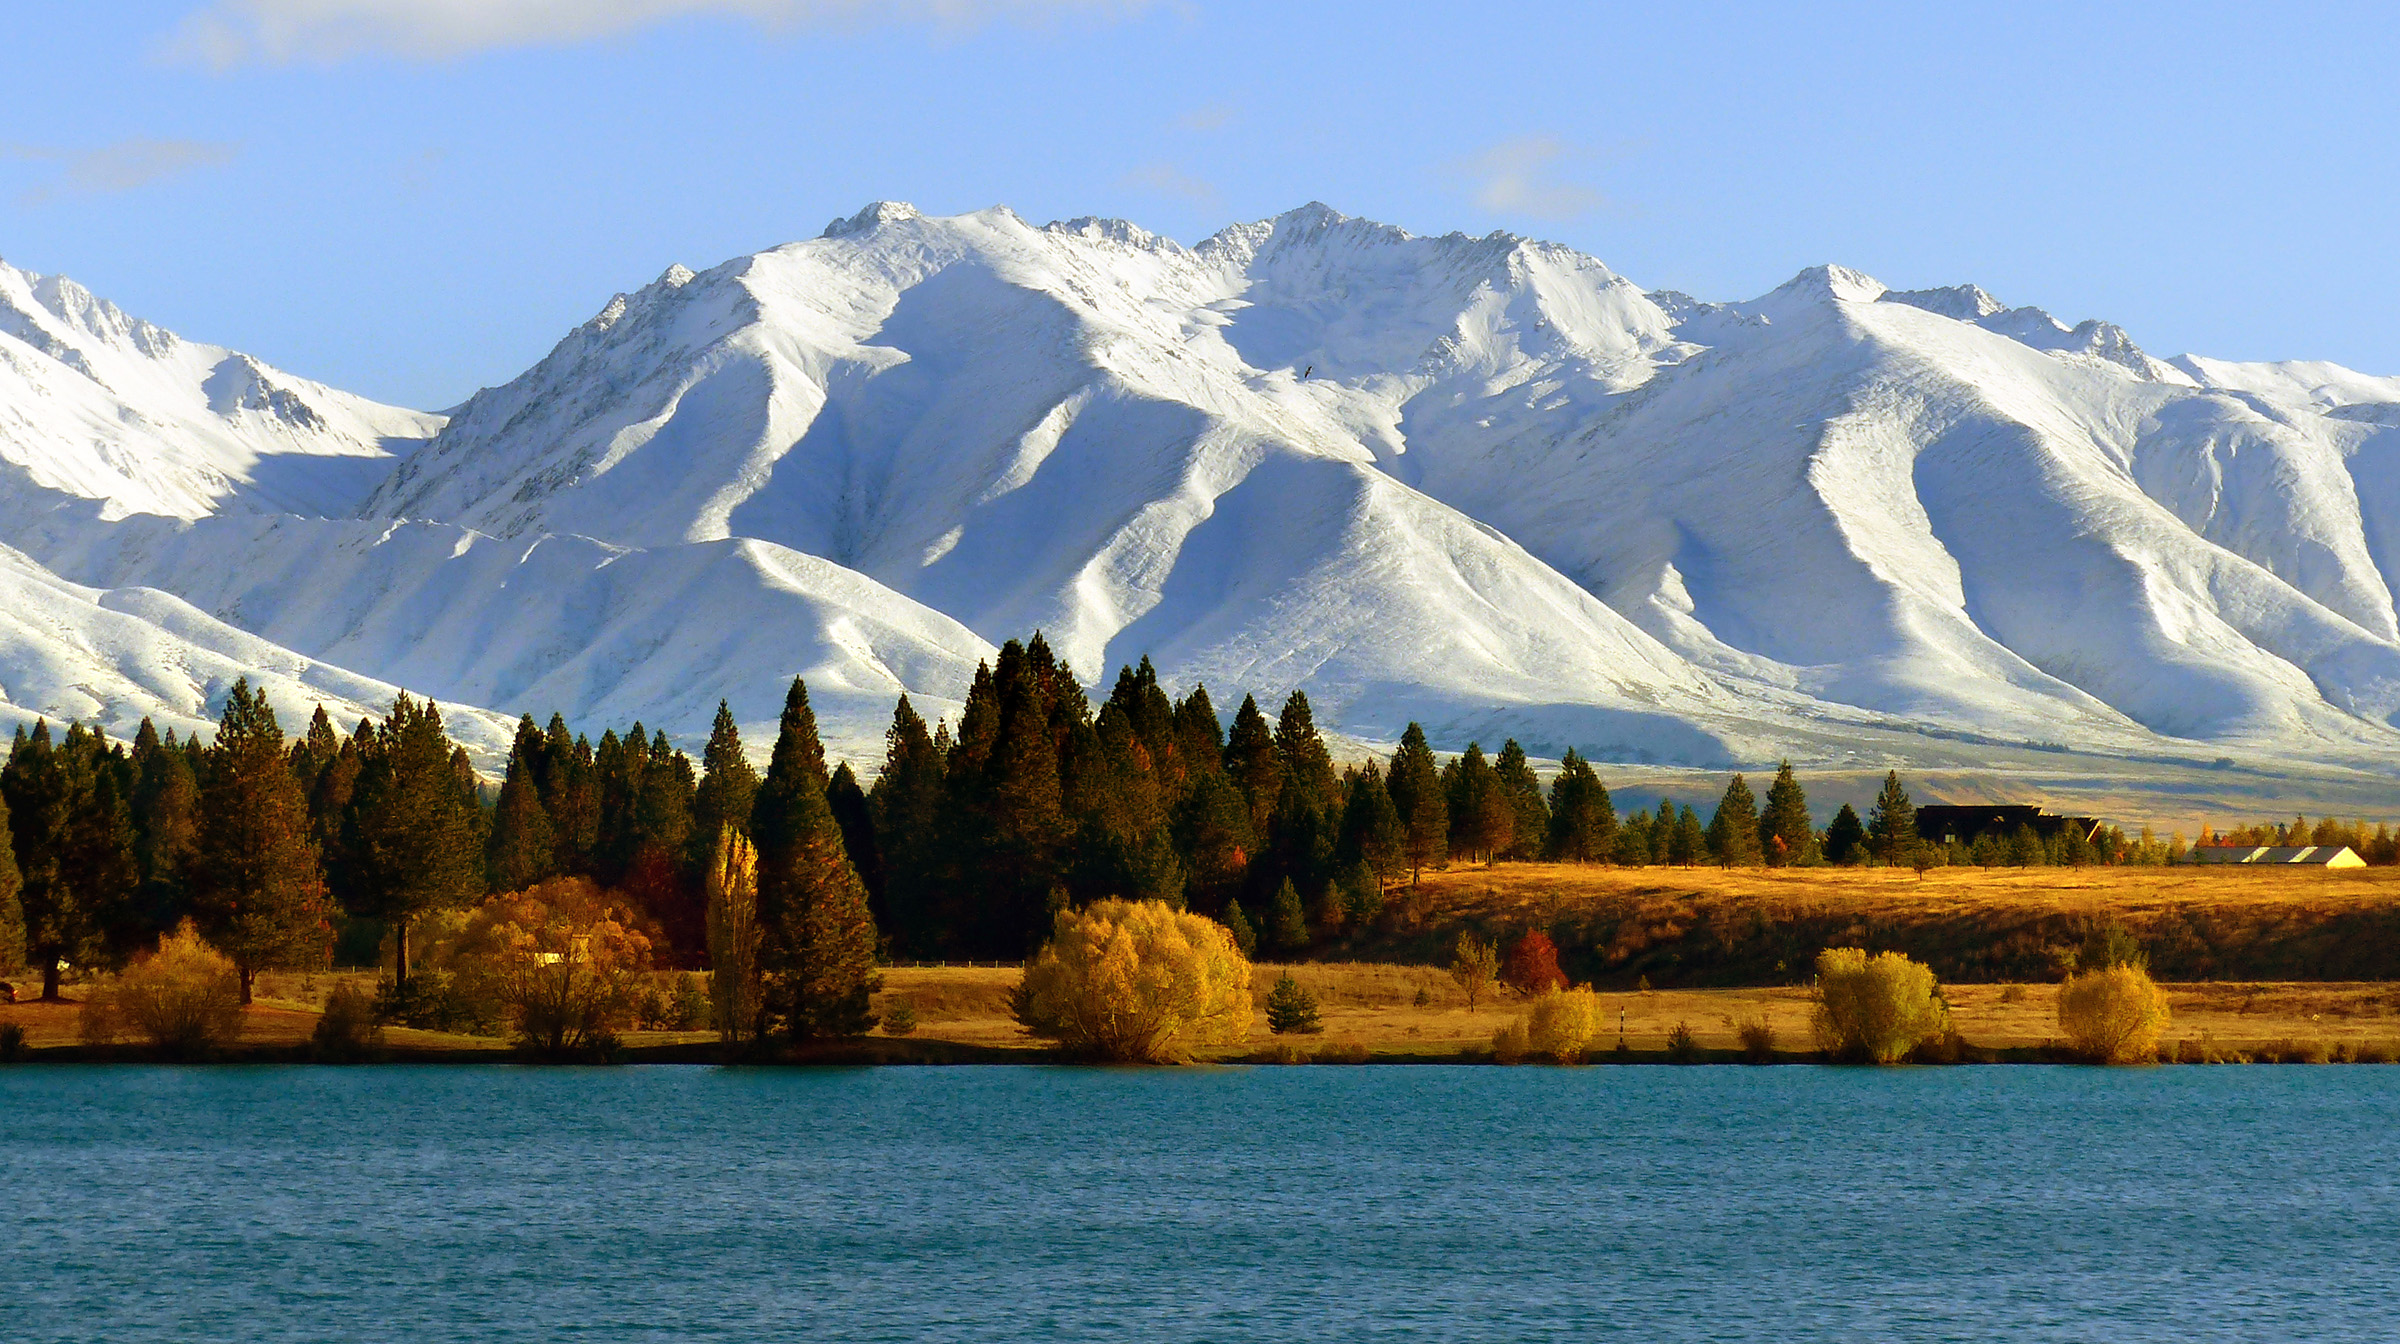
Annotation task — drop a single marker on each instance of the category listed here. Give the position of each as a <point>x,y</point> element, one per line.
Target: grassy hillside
<point>1707,927</point>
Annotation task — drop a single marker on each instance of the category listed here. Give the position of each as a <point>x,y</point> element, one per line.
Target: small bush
<point>346,1032</point>
<point>2013,994</point>
<point>185,999</point>
<point>1874,1010</point>
<point>1292,1010</point>
<point>899,1018</point>
<point>1562,1023</point>
<point>2372,1052</point>
<point>1281,1052</point>
<point>12,1042</point>
<point>1508,1044</point>
<point>689,1008</point>
<point>1682,1046</point>
<point>1757,1039</point>
<point>1342,1052</point>
<point>1474,964</point>
<point>1136,982</point>
<point>1424,997</point>
<point>432,1001</point>
<point>2113,1016</point>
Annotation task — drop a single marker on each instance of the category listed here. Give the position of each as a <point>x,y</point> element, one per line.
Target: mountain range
<point>1484,483</point>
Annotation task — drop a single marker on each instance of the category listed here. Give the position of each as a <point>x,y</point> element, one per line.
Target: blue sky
<point>415,198</point>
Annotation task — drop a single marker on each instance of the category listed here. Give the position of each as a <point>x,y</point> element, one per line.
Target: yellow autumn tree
<point>733,937</point>
<point>1875,1009</point>
<point>565,959</point>
<point>1137,982</point>
<point>1561,1024</point>
<point>2113,1015</point>
<point>185,998</point>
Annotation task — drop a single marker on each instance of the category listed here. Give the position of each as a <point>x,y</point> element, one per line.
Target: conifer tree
<point>817,944</point>
<point>1892,823</point>
<point>1846,838</point>
<point>166,801</point>
<point>570,788</point>
<point>1290,922</point>
<point>1307,766</point>
<point>1482,818</point>
<point>1689,841</point>
<point>907,806</point>
<point>12,913</point>
<point>1238,924</point>
<point>1523,791</point>
<point>411,841</point>
<point>1583,820</point>
<point>1292,1010</point>
<point>851,813</point>
<point>1253,764</point>
<point>1785,834</point>
<point>521,851</point>
<point>1662,834</point>
<point>1733,831</point>
<point>1372,832</point>
<point>94,851</point>
<point>1213,830</point>
<point>256,884</point>
<point>1633,839</point>
<point>316,750</point>
<point>1415,784</point>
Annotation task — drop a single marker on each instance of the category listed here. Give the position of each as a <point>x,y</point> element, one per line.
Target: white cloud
<point>239,32</point>
<point>1523,177</point>
<point>1168,180</point>
<point>112,168</point>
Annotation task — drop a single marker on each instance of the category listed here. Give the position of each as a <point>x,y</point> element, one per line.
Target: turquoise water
<point>491,1203</point>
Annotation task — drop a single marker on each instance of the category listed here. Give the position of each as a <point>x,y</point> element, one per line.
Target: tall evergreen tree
<point>256,883</point>
<point>523,847</point>
<point>1583,820</point>
<point>1785,834</point>
<point>1253,764</point>
<point>857,823</point>
<point>1892,824</point>
<point>1733,831</point>
<point>166,802</point>
<point>1483,820</point>
<point>96,853</point>
<point>1415,784</point>
<point>818,938</point>
<point>1288,923</point>
<point>728,784</point>
<point>411,839</point>
<point>907,805</point>
<point>570,787</point>
<point>1300,748</point>
<point>1846,838</point>
<point>733,938</point>
<point>1662,834</point>
<point>1213,830</point>
<point>1688,842</point>
<point>1372,832</point>
<point>12,912</point>
<point>1523,792</point>
<point>1634,840</point>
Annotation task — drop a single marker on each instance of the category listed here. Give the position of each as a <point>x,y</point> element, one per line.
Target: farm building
<point>2305,856</point>
<point>1943,823</point>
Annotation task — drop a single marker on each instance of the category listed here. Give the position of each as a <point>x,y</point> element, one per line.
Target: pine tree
<point>818,938</point>
<point>1519,787</point>
<point>1662,834</point>
<point>1289,922</point>
<point>12,913</point>
<point>1292,1010</point>
<point>1846,838</point>
<point>907,806</point>
<point>856,820</point>
<point>1733,831</point>
<point>1415,783</point>
<point>1583,820</point>
<point>166,802</point>
<point>522,849</point>
<point>410,841</point>
<point>256,882</point>
<point>1212,828</point>
<point>1372,832</point>
<point>570,788</point>
<point>1307,766</point>
<point>1238,924</point>
<point>1892,823</point>
<point>96,853</point>
<point>1785,834</point>
<point>733,937</point>
<point>1688,841</point>
<point>1252,763</point>
<point>1633,839</point>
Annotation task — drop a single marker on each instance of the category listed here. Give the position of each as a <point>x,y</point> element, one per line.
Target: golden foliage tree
<point>1875,1009</point>
<point>733,936</point>
<point>1138,982</point>
<point>1474,964</point>
<point>1562,1024</point>
<point>184,998</point>
<point>2113,1015</point>
<point>568,964</point>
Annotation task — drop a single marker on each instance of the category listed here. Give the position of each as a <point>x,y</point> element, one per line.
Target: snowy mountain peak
<point>875,215</point>
<point>1963,303</point>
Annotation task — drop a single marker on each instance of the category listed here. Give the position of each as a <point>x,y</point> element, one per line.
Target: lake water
<point>492,1203</point>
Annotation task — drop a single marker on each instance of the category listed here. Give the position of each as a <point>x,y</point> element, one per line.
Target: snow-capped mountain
<point>1484,483</point>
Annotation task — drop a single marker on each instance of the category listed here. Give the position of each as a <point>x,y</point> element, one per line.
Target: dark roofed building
<point>1943,823</point>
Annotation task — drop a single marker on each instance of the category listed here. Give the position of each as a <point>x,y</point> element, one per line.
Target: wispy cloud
<point>229,33</point>
<point>1168,180</point>
<point>1528,176</point>
<point>1213,117</point>
<point>122,166</point>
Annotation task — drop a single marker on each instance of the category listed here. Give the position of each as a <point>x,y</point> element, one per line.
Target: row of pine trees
<point>964,847</point>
